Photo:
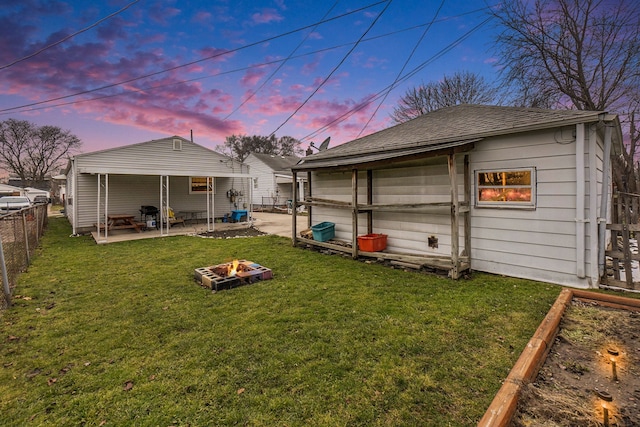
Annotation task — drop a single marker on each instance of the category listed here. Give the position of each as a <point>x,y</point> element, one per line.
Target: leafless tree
<point>459,88</point>
<point>582,54</point>
<point>32,152</point>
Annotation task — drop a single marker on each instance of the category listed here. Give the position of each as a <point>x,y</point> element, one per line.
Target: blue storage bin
<point>237,215</point>
<point>324,231</point>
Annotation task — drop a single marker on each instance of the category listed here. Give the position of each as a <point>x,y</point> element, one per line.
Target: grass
<point>121,335</point>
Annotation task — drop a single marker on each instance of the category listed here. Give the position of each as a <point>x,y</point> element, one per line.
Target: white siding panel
<point>407,230</point>
<point>538,244</point>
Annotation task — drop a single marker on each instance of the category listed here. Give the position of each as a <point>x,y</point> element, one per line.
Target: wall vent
<point>177,145</point>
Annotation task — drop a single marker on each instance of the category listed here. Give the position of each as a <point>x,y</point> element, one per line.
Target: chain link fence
<point>20,234</point>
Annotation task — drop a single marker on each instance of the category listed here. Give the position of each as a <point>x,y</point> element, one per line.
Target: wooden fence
<point>622,257</point>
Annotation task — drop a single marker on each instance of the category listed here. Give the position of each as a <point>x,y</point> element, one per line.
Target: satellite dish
<point>325,144</point>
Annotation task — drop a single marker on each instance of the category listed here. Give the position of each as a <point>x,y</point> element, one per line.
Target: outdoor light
<point>613,370</point>
<point>605,414</point>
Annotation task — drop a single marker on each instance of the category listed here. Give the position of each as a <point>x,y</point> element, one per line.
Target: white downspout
<point>593,206</point>
<point>580,196</point>
<point>74,200</point>
<point>604,201</point>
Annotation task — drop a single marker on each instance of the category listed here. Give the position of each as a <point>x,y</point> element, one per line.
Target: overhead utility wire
<point>160,86</point>
<point>226,52</point>
<point>150,88</point>
<point>334,69</point>
<point>281,65</point>
<point>413,72</point>
<point>64,39</point>
<point>384,98</point>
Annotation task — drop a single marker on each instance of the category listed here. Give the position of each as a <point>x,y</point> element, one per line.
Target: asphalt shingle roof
<point>277,163</point>
<point>445,128</point>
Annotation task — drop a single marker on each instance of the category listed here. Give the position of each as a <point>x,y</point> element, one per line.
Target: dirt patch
<point>579,366</point>
<point>230,234</point>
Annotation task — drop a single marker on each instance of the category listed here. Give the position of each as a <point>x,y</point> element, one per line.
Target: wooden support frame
<point>459,260</point>
<point>354,213</point>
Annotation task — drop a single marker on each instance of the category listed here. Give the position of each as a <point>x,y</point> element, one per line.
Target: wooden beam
<point>455,218</point>
<point>354,212</point>
<point>294,205</point>
<point>377,164</point>
<point>309,208</point>
<point>436,261</point>
<point>467,210</point>
<point>369,200</point>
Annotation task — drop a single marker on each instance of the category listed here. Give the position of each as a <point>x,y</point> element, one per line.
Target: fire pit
<point>231,274</point>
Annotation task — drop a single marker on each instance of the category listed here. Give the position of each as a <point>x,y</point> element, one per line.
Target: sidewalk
<point>279,224</point>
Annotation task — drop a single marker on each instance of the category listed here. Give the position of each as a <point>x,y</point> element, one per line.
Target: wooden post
<point>294,206</point>
<point>455,217</point>
<point>369,201</point>
<point>467,216</point>
<point>354,214</point>
<point>26,237</point>
<point>309,223</point>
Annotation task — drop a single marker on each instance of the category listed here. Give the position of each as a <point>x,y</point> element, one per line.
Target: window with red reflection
<point>506,187</point>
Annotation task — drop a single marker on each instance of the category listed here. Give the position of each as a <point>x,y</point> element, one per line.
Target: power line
<point>412,73</point>
<point>150,88</point>
<point>64,39</point>
<point>279,66</point>
<point>334,69</point>
<point>424,33</point>
<point>226,52</point>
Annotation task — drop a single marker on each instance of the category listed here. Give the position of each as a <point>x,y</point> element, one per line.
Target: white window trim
<point>531,205</point>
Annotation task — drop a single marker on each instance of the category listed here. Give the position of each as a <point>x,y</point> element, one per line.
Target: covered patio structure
<point>154,185</point>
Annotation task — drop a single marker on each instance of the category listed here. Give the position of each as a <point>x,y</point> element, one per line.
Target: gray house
<point>273,179</point>
<point>514,191</point>
<point>173,172</point>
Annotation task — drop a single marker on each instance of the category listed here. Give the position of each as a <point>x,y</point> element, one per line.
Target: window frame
<point>204,186</point>
<point>529,205</point>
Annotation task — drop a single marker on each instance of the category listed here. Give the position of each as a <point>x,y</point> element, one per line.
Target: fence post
<point>5,277</point>
<point>26,237</point>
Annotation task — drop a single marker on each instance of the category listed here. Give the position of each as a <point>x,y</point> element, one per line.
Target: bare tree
<point>240,146</point>
<point>459,88</point>
<point>581,54</point>
<point>32,152</point>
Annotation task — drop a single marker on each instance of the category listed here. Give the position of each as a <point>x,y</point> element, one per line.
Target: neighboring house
<point>32,192</point>
<point>273,179</point>
<point>514,191</point>
<point>171,172</point>
<point>10,190</point>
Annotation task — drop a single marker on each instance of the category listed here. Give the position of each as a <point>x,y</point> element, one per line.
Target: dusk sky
<point>120,72</point>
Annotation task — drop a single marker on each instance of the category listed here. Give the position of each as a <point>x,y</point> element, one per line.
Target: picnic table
<point>121,221</point>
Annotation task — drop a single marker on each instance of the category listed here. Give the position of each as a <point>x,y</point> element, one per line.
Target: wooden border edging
<point>505,402</point>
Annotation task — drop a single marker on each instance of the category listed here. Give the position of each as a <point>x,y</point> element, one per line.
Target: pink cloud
<point>253,76</point>
<point>266,16</point>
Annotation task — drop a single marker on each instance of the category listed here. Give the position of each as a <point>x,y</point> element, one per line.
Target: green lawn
<point>121,335</point>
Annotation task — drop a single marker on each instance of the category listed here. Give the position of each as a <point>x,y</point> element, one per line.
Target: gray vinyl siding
<point>128,192</point>
<point>538,244</point>
<point>265,186</point>
<point>157,158</point>
<point>408,230</point>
